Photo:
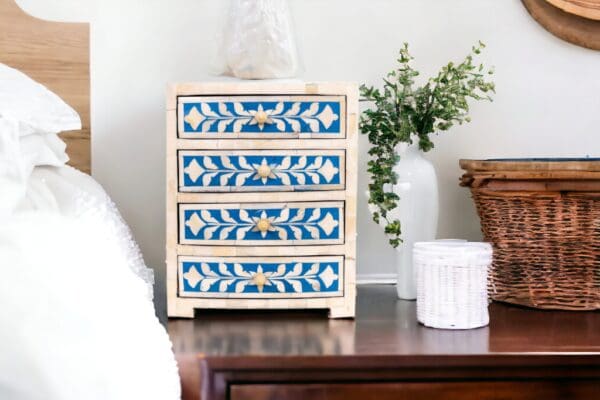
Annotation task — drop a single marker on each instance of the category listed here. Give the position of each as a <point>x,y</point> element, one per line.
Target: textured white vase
<point>258,41</point>
<point>417,210</point>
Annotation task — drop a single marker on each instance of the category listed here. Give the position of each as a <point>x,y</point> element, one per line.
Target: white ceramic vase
<point>417,210</point>
<point>258,41</point>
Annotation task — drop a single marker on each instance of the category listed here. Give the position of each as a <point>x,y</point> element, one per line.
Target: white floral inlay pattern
<point>235,278</point>
<point>302,224</point>
<point>236,170</point>
<point>328,224</point>
<point>205,118</point>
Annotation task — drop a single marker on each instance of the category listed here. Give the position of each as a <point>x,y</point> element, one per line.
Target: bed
<point>77,319</point>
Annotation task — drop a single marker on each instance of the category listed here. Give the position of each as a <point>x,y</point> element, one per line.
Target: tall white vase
<point>417,210</point>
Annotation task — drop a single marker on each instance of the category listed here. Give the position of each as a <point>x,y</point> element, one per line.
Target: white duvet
<point>76,316</point>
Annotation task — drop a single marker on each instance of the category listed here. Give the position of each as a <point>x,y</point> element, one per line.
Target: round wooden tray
<point>576,21</point>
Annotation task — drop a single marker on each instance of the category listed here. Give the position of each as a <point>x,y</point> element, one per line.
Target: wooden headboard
<point>56,54</point>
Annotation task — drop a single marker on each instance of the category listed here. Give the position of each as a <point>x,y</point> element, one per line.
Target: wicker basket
<point>452,283</point>
<point>543,218</point>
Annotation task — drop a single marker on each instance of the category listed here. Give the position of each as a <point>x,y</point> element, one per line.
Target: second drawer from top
<point>261,170</point>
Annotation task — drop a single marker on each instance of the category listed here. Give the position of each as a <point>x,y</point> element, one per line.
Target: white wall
<point>548,101</point>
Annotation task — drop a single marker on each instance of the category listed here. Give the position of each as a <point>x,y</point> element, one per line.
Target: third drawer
<point>252,224</point>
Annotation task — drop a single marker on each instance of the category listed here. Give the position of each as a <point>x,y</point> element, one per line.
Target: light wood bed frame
<point>56,54</point>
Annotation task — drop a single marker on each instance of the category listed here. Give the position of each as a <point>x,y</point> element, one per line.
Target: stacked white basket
<point>452,283</point>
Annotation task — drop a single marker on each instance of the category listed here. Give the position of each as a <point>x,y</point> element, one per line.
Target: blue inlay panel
<point>262,224</point>
<point>267,277</point>
<point>261,170</point>
<point>262,117</point>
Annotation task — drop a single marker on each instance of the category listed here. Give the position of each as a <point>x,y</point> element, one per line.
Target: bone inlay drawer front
<point>261,170</point>
<point>261,196</point>
<point>260,277</point>
<point>262,224</point>
<point>262,117</point>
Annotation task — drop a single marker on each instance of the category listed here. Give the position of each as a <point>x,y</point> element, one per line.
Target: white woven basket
<point>451,281</point>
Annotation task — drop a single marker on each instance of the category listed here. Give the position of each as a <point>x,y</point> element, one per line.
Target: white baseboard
<point>375,279</point>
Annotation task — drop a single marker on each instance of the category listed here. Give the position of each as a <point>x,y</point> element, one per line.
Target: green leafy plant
<point>401,112</point>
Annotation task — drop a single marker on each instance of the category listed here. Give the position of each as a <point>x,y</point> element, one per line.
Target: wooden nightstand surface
<point>239,353</point>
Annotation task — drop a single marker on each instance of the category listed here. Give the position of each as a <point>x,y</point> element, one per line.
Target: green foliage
<point>402,112</point>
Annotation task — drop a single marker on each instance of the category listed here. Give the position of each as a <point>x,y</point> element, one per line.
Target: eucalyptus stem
<point>403,113</point>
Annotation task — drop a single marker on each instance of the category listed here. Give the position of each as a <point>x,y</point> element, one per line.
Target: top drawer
<point>262,117</point>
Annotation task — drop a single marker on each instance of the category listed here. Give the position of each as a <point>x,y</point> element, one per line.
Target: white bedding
<point>76,319</point>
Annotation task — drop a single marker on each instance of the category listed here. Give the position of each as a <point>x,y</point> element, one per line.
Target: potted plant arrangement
<point>402,192</point>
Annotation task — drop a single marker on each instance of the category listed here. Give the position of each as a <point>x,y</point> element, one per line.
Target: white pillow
<point>37,109</point>
<point>44,150</point>
<point>20,154</point>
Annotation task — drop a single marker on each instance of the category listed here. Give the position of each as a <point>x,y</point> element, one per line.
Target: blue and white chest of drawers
<point>261,196</point>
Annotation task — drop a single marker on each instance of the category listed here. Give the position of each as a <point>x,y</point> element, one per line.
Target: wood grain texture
<point>570,27</point>
<point>514,390</point>
<point>56,54</point>
<point>553,349</point>
<point>538,175</point>
<point>190,376</point>
<point>584,8</point>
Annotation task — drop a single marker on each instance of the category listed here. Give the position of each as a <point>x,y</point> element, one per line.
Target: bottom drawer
<point>514,390</point>
<point>261,277</point>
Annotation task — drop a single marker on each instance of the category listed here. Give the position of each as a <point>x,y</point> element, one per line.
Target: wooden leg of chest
<point>179,309</point>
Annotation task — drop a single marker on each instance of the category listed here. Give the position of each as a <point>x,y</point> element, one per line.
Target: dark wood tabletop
<point>383,344</point>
